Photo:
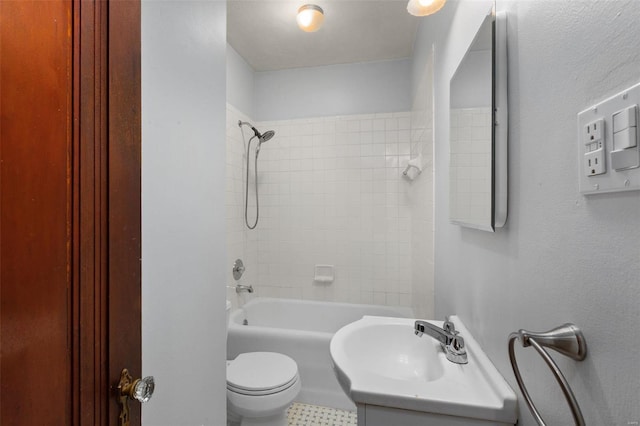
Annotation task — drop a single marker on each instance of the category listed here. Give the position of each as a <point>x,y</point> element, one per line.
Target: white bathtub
<point>301,329</point>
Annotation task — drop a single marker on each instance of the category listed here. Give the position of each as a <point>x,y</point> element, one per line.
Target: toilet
<point>260,387</point>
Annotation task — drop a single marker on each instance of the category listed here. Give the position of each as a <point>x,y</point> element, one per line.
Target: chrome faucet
<point>451,342</point>
<point>242,288</point>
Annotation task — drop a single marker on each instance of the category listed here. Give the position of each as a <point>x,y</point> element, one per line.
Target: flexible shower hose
<point>246,188</point>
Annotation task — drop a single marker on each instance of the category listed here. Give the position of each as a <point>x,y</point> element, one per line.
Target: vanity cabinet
<point>374,415</point>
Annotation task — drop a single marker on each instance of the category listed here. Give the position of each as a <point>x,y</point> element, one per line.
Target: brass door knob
<point>138,389</point>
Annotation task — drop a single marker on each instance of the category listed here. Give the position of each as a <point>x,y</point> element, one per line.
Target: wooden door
<point>69,209</point>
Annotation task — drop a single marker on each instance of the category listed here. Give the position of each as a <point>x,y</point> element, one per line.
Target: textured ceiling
<point>265,33</point>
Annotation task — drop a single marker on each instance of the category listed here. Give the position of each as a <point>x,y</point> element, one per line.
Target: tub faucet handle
<point>238,269</point>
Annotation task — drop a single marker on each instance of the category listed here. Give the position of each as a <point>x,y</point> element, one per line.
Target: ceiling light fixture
<point>424,7</point>
<point>310,17</point>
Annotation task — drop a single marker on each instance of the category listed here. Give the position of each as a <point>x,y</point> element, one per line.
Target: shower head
<point>266,136</point>
<point>263,137</point>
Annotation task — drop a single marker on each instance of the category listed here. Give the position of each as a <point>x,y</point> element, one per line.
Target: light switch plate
<point>611,180</point>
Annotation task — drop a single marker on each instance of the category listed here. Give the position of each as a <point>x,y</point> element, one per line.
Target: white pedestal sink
<point>397,378</point>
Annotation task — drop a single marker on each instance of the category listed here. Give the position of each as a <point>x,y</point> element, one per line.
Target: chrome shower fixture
<point>267,135</point>
<point>262,138</point>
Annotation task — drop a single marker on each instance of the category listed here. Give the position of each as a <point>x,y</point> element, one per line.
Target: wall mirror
<point>478,133</point>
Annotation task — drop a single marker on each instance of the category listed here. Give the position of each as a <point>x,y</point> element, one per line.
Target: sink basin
<point>402,356</point>
<point>379,361</point>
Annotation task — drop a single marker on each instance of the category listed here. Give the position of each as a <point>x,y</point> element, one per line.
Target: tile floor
<point>314,415</point>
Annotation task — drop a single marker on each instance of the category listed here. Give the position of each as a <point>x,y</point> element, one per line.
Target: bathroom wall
<point>331,192</point>
<point>331,186</point>
<point>183,224</point>
<point>346,89</point>
<point>562,257</point>
<point>240,82</point>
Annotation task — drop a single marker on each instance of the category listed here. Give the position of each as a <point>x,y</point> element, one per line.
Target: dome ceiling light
<point>310,18</point>
<point>424,7</point>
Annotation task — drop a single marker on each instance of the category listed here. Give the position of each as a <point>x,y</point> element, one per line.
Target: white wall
<point>240,82</point>
<point>183,246</point>
<point>562,257</point>
<point>361,88</point>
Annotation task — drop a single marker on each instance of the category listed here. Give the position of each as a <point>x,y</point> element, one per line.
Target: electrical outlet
<point>593,138</point>
<point>594,162</point>
<point>593,131</point>
<point>605,133</point>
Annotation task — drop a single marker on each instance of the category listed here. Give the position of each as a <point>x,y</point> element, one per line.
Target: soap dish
<point>324,274</point>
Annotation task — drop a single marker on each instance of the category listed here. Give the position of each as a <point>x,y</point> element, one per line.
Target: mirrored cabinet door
<point>478,131</point>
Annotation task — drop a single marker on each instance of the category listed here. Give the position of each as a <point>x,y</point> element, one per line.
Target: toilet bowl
<point>260,388</point>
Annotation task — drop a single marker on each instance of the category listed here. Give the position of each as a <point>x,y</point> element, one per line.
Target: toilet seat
<point>261,373</point>
<point>282,388</point>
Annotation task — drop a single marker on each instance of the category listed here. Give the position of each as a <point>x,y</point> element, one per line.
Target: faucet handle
<point>238,269</point>
<point>456,352</point>
<point>449,327</point>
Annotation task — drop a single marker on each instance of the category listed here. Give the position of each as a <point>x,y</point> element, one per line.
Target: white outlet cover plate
<point>612,180</point>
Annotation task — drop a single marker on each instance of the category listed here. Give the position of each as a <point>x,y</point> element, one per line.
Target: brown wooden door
<point>69,209</point>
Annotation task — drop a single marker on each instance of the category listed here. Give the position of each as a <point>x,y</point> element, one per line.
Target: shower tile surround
<point>242,243</point>
<point>331,192</point>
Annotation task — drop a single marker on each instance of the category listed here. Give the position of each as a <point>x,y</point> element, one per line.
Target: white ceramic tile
<point>331,192</point>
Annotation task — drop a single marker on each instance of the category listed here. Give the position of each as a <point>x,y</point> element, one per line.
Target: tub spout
<point>242,288</point>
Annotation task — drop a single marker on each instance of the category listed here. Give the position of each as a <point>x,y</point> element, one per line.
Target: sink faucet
<point>451,342</point>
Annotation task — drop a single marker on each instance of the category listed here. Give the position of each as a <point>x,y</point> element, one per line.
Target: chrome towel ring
<point>567,340</point>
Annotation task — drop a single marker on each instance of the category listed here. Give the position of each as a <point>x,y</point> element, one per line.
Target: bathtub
<point>301,329</point>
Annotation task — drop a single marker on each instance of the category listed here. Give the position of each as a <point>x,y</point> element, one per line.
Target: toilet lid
<point>261,371</point>
<point>278,389</point>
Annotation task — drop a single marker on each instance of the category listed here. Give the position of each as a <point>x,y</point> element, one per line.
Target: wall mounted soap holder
<point>414,163</point>
<point>324,274</point>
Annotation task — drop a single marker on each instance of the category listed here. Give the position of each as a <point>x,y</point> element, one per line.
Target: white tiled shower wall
<point>331,192</point>
<point>241,242</point>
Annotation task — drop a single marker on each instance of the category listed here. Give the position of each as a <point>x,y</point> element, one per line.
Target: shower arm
<point>246,123</point>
